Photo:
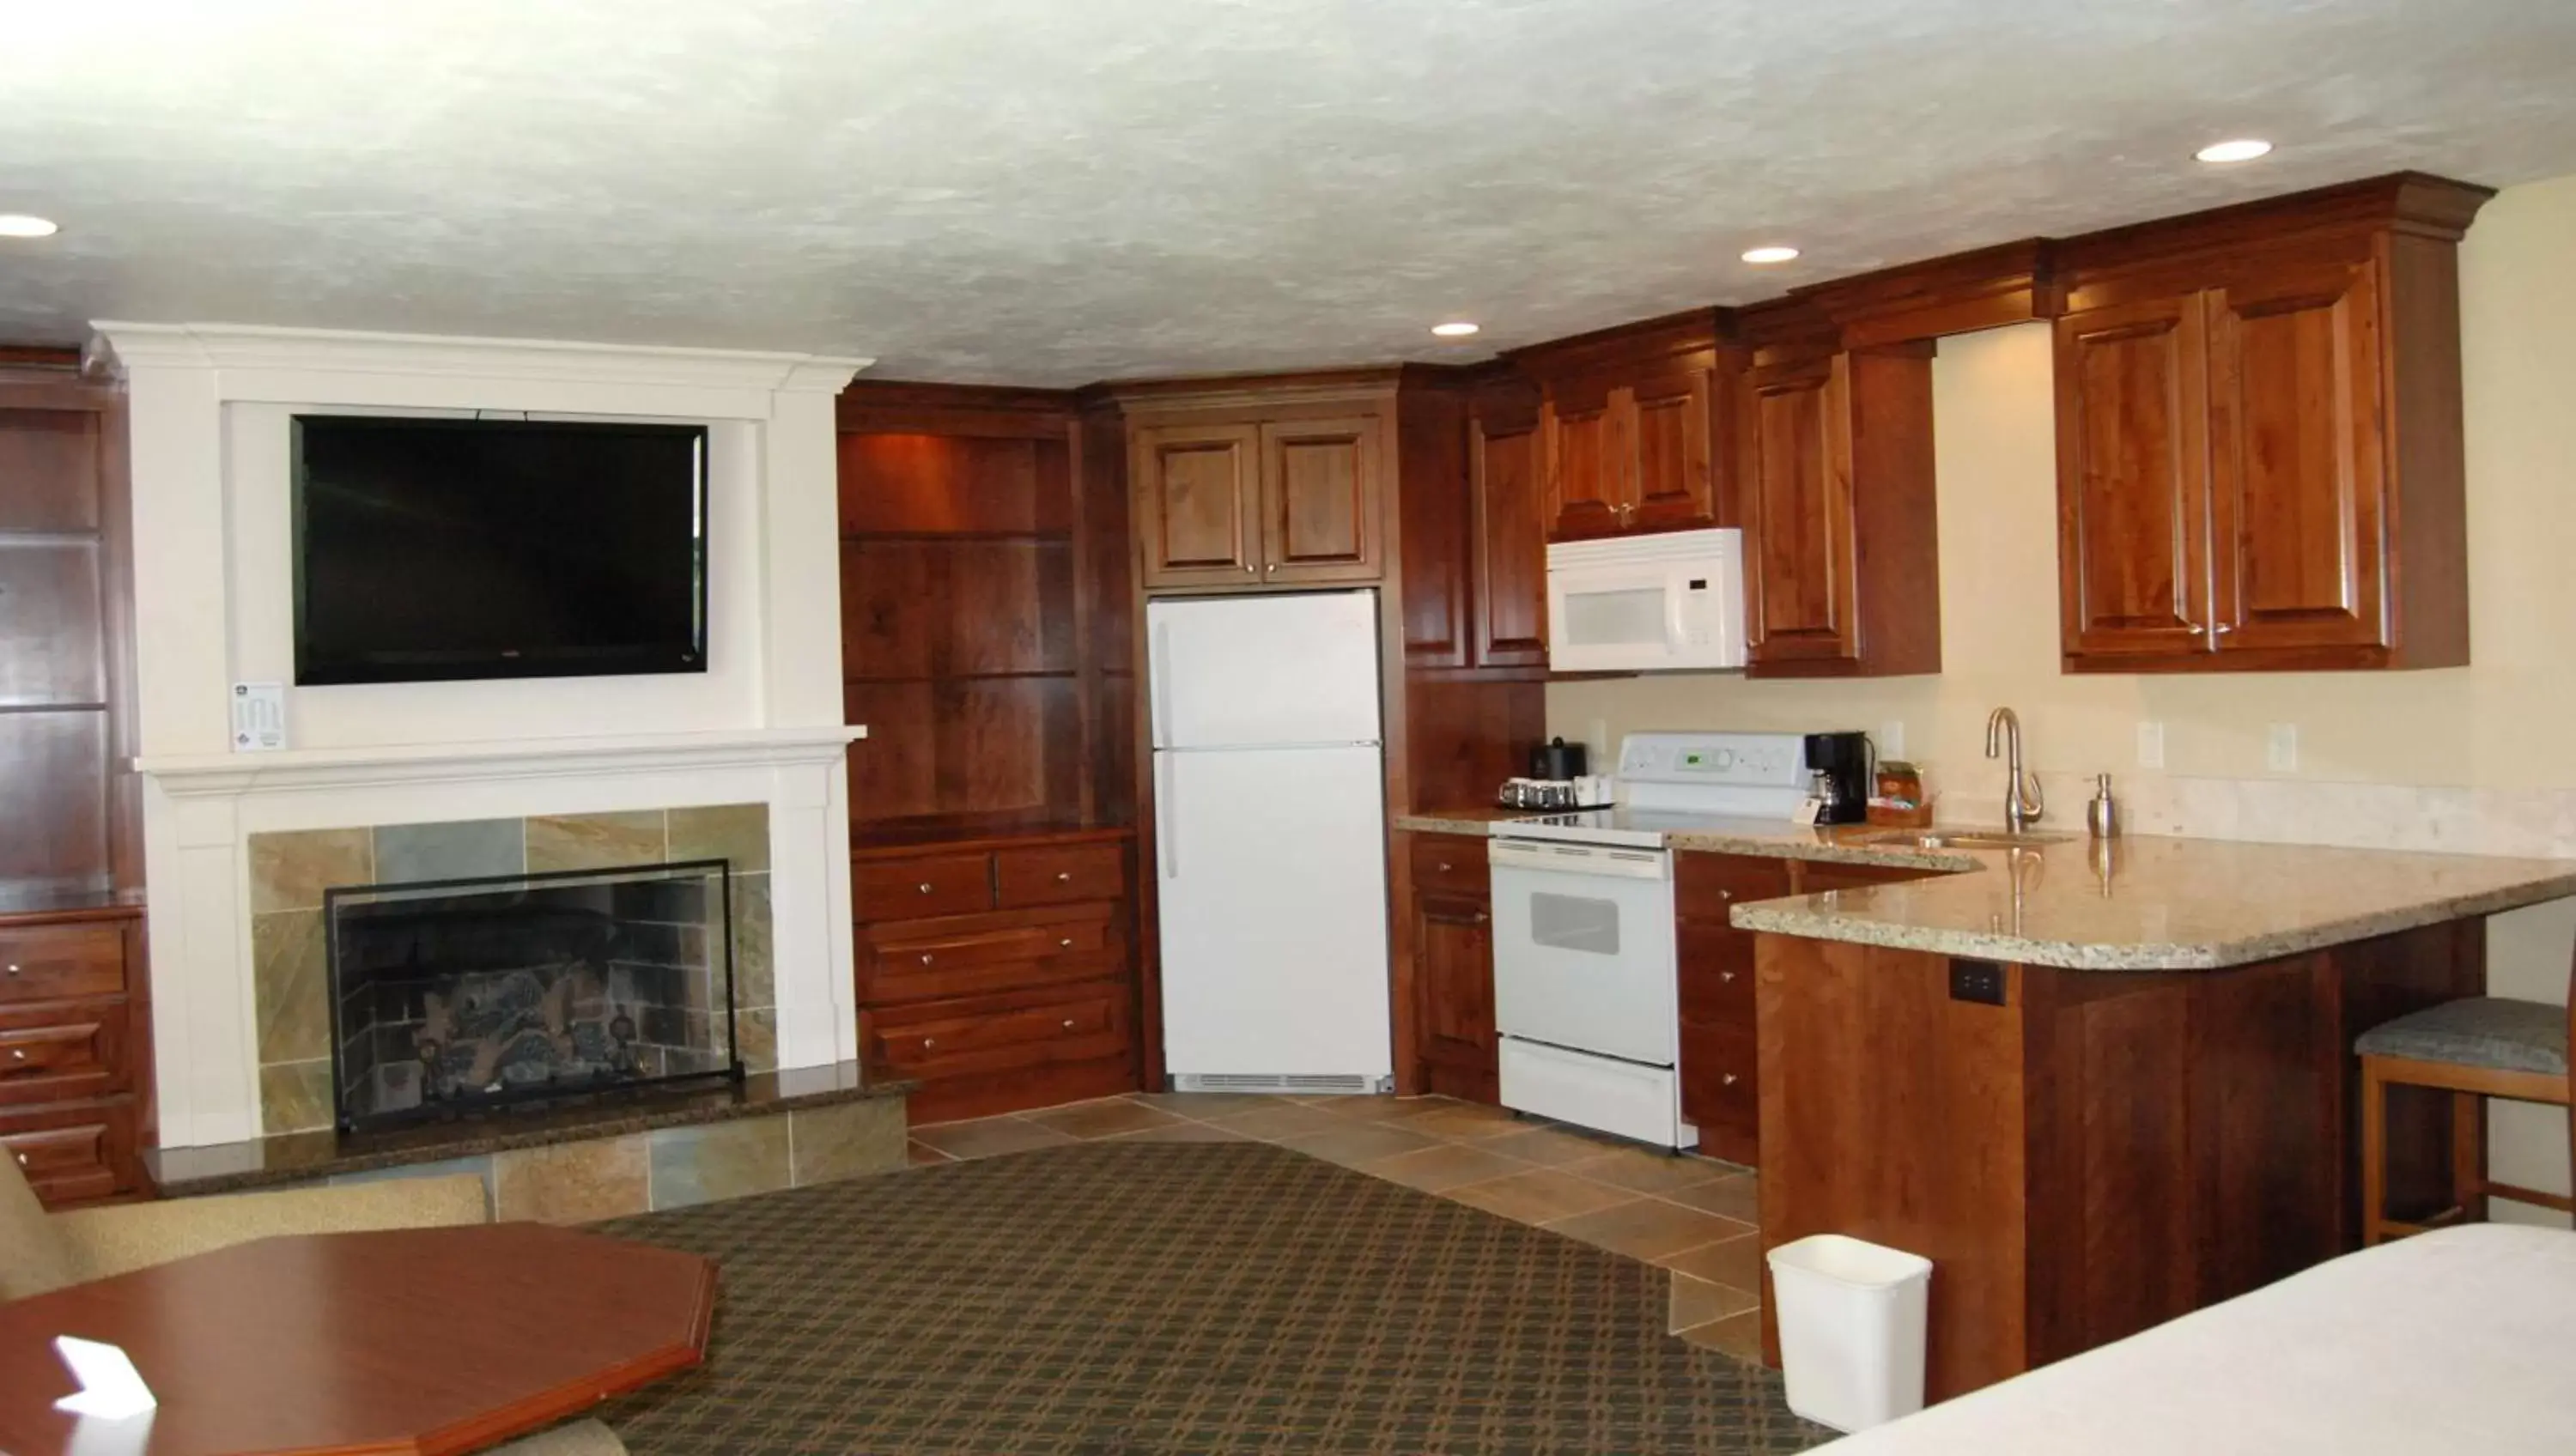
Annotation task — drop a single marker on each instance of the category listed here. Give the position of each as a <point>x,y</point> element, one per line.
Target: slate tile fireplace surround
<point>646,970</point>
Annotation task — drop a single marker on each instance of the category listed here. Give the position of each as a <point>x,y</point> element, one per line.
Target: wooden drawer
<point>963,963</point>
<point>57,962</point>
<point>71,1154</point>
<point>1721,1092</point>
<point>61,1053</point>
<point>1709,885</point>
<point>1451,864</point>
<point>994,1033</point>
<point>1059,874</point>
<point>914,889</point>
<point>1714,973</point>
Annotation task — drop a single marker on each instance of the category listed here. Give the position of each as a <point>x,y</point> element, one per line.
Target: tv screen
<point>432,550</point>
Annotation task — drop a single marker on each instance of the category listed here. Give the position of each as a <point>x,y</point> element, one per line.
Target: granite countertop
<point>2144,903</point>
<point>2139,903</point>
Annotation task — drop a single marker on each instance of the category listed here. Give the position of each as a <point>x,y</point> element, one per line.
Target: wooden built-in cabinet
<point>987,605</point>
<point>2258,433</point>
<point>1231,502</point>
<point>1507,498</point>
<point>1452,917</point>
<point>1841,542</point>
<point>1629,429</point>
<point>75,1021</point>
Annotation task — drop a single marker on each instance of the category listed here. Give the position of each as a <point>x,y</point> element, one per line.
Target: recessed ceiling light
<point>1457,330</point>
<point>2244,149</point>
<point>1774,254</point>
<point>20,225</point>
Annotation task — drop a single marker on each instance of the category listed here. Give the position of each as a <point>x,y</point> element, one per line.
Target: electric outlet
<point>1978,981</point>
<point>2281,748</point>
<point>2151,745</point>
<point>1891,738</point>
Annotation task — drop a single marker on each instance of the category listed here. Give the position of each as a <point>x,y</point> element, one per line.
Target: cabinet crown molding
<point>252,346</point>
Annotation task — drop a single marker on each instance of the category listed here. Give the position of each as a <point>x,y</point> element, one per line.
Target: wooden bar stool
<point>2474,1049</point>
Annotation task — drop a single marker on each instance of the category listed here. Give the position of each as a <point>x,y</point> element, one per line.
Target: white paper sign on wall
<point>259,717</point>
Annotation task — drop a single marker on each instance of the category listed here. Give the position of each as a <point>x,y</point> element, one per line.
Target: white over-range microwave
<point>1659,603</point>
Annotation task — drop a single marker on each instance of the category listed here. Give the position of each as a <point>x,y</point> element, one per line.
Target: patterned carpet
<point>1136,1299</point>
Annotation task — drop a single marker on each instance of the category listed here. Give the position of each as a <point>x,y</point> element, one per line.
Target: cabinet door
<point>1588,491</point>
<point>1800,552</point>
<point>1453,949</point>
<point>1509,590</point>
<point>1197,494</point>
<point>2132,480</point>
<point>1668,436</point>
<point>1320,493</point>
<point>2298,484</point>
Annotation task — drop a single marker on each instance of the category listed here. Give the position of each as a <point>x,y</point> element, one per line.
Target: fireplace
<point>450,997</point>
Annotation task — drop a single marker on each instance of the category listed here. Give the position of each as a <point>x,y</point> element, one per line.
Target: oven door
<point>1583,948</point>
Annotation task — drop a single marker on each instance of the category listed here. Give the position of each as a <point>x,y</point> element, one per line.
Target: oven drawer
<point>996,1033</point>
<point>57,962</point>
<point>1059,874</point>
<point>916,889</point>
<point>1452,864</point>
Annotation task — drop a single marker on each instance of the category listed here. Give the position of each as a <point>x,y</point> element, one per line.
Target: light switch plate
<point>2151,745</point>
<point>2281,748</point>
<point>259,717</point>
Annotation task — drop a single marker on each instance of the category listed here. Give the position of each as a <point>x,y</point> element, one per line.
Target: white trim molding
<point>252,348</point>
<point>201,775</point>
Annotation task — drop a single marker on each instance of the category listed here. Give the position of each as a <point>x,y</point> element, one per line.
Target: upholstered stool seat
<point>2493,1032</point>
<point>2471,1049</point>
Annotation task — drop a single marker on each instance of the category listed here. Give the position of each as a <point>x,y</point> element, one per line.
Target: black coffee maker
<point>1849,764</point>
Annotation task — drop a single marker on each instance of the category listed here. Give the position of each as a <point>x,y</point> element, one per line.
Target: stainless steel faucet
<point>2023,803</point>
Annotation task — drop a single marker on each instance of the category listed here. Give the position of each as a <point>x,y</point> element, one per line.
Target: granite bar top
<point>300,1157</point>
<point>2144,903</point>
<point>1722,834</point>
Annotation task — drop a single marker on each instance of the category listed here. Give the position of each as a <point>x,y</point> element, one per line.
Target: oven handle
<point>1602,861</point>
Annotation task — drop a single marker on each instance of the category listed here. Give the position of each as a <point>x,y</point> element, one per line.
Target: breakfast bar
<point>2103,1084</point>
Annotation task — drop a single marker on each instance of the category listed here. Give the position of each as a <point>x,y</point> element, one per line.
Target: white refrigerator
<point>1270,831</point>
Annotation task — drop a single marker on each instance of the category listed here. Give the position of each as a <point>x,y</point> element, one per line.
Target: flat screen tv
<point>431,550</point>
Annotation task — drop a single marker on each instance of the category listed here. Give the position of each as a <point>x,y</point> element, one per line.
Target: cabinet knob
<point>1726,894</point>
<point>2222,629</point>
<point>928,1042</point>
<point>17,1054</point>
<point>1063,877</point>
<point>925,887</point>
<point>1272,568</point>
<point>1729,1080</point>
<point>2197,630</point>
<point>1247,568</point>
<point>1066,942</point>
<point>1068,1023</point>
<point>1479,918</point>
<point>22,1160</point>
<point>925,958</point>
<point>13,968</point>
<point>1444,867</point>
<point>1722,975</point>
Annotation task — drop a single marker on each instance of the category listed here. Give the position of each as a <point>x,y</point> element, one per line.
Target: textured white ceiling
<point>1055,191</point>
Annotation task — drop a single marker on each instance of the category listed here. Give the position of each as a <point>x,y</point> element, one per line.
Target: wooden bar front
<point>2104,1151</point>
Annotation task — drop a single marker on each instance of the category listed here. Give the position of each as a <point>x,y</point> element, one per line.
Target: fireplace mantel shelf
<point>186,775</point>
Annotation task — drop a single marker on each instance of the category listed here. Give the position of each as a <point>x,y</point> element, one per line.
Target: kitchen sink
<point>1967,838</point>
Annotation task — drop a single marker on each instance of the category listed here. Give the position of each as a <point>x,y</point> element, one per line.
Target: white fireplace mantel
<point>190,776</point>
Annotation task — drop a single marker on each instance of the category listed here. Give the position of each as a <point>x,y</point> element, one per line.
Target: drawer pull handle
<point>925,887</point>
<point>1068,1023</point>
<point>1066,943</point>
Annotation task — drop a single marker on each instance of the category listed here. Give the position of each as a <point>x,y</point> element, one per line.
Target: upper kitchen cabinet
<point>1629,426</point>
<point>2258,434</point>
<point>1508,505</point>
<point>1256,487</point>
<point>1841,548</point>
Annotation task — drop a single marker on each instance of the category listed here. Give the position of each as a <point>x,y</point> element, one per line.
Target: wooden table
<point>418,1342</point>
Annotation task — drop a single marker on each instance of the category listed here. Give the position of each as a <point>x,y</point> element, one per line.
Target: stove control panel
<point>1730,760</point>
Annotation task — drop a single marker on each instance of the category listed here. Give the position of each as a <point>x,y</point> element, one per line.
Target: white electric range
<point>1584,956</point>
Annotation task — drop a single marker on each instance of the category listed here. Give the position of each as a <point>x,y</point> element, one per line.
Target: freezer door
<point>1273,912</point>
<point>1250,672</point>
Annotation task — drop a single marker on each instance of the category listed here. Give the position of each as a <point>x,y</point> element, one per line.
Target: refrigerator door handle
<point>1167,839</point>
<point>1159,683</point>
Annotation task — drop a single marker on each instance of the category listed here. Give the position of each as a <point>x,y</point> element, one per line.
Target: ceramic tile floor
<point>1693,1216</point>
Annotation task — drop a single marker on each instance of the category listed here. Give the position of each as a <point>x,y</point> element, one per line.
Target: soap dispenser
<point>2102,815</point>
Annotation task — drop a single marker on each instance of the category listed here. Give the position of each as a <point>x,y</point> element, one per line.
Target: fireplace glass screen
<point>459,995</point>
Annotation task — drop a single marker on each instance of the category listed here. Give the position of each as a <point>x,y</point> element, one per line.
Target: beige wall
<point>2505,726</point>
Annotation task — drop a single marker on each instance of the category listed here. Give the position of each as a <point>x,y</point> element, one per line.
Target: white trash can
<point>1851,1329</point>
